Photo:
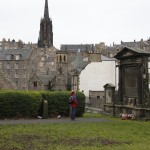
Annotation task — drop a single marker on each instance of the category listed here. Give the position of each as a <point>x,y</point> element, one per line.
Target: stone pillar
<point>45,109</point>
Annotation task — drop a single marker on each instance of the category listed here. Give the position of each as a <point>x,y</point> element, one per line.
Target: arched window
<point>64,58</point>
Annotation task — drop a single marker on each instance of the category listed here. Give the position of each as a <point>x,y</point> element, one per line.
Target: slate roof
<point>45,79</point>
<point>25,53</point>
<point>78,63</point>
<point>82,47</point>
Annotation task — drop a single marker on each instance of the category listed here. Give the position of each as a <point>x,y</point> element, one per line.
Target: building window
<point>25,74</point>
<point>60,59</point>
<point>7,66</point>
<point>16,74</point>
<point>35,84</point>
<point>64,58</point>
<point>16,66</point>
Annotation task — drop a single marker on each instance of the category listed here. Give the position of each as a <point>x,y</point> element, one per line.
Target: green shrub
<point>81,101</point>
<point>29,103</point>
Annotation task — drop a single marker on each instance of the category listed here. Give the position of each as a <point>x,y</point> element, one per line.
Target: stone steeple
<point>46,11</point>
<point>46,29</point>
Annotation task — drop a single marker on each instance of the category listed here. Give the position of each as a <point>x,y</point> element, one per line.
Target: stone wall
<point>5,83</point>
<point>96,99</point>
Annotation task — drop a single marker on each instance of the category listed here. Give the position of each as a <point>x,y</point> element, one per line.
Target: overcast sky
<point>77,21</point>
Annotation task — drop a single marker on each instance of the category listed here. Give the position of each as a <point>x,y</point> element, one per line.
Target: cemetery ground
<point>112,134</point>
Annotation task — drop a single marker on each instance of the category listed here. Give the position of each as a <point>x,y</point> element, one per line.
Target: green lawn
<point>116,134</point>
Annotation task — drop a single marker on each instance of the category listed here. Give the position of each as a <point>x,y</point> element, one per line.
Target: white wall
<point>96,75</point>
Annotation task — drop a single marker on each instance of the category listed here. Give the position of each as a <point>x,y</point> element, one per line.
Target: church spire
<point>46,12</point>
<point>46,29</point>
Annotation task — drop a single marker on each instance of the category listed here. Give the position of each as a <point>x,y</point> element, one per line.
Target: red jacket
<point>74,101</point>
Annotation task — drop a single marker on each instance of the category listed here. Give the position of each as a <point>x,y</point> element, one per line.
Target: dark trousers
<point>73,113</point>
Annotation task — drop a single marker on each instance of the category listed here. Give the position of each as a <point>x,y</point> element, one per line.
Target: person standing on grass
<point>73,104</point>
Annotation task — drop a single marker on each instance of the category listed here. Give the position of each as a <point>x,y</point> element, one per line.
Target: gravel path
<point>46,121</point>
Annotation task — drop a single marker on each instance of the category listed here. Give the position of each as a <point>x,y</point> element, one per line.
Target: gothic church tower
<point>46,29</point>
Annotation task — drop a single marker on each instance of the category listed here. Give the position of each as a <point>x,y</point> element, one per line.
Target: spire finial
<point>46,12</point>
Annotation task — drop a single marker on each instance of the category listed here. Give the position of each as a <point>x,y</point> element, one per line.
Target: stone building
<point>58,69</point>
<point>18,66</point>
<point>4,44</point>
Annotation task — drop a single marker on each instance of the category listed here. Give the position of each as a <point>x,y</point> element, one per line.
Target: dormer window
<point>17,56</point>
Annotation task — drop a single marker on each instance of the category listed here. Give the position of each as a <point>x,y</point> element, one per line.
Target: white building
<point>97,74</point>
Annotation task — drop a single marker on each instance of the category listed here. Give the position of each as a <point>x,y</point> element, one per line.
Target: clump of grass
<point>116,134</point>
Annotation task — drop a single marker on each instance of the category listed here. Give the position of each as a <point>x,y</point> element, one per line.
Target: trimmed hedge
<point>20,104</point>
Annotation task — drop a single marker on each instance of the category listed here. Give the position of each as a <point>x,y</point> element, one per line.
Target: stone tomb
<point>133,95</point>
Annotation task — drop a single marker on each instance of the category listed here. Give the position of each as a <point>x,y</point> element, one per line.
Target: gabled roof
<point>45,79</point>
<point>25,53</point>
<point>108,85</point>
<point>129,52</point>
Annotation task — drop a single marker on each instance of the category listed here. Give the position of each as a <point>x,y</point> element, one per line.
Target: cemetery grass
<point>116,134</point>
